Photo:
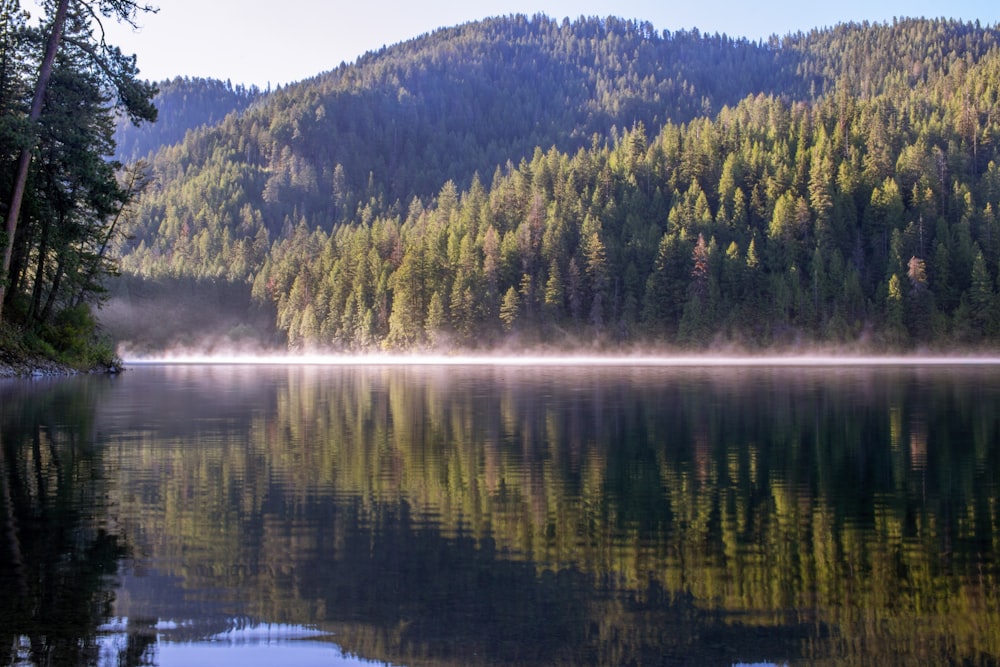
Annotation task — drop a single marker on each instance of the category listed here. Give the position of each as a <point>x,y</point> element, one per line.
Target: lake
<point>502,515</point>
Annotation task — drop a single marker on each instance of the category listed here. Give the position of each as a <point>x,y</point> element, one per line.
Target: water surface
<point>477,514</point>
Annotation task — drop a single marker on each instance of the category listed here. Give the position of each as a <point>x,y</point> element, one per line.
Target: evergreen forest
<point>597,183</point>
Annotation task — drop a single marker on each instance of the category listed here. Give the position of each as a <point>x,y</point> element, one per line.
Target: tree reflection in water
<point>571,516</point>
<point>60,547</point>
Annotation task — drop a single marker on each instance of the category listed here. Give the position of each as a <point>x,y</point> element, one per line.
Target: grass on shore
<point>72,344</point>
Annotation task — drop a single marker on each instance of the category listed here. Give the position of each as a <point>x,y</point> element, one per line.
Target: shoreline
<point>27,368</point>
<point>33,368</point>
<point>691,360</point>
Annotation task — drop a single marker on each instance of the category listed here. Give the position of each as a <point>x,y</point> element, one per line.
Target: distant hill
<point>184,104</point>
<point>660,156</point>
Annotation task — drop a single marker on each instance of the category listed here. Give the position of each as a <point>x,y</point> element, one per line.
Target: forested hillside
<point>559,183</point>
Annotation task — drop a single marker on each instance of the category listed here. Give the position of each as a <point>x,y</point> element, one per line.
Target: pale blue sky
<point>282,41</point>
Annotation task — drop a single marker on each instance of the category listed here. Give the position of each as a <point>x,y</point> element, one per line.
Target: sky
<point>279,42</point>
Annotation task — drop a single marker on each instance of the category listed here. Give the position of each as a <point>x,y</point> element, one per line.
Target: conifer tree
<point>118,73</point>
<point>510,308</point>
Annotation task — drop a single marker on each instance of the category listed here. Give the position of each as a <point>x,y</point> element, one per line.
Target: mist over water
<point>556,359</point>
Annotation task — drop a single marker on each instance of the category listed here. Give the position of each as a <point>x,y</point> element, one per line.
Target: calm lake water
<point>493,515</point>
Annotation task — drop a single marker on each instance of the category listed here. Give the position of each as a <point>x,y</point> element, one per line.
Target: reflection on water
<point>57,543</point>
<point>508,515</point>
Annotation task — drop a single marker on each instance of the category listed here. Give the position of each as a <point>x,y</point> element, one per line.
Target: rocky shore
<point>27,368</point>
<point>17,366</point>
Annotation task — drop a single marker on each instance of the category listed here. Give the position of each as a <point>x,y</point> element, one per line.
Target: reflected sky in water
<point>263,645</point>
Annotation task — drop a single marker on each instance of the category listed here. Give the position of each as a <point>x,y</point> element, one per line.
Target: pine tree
<point>435,322</point>
<point>895,331</point>
<point>982,298</point>
<point>554,291</point>
<point>510,308</point>
<point>89,58</point>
